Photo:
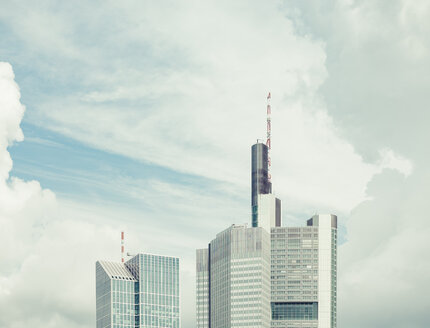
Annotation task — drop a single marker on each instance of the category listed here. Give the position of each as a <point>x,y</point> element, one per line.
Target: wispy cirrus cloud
<point>194,88</point>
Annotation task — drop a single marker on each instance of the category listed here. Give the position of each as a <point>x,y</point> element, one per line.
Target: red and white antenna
<point>269,133</point>
<point>122,246</point>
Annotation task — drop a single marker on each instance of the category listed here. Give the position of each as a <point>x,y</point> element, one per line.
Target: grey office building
<point>232,275</point>
<point>233,279</point>
<point>143,292</point>
<point>304,274</point>
<point>300,265</point>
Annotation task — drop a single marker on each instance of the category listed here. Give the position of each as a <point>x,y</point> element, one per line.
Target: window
<point>294,311</point>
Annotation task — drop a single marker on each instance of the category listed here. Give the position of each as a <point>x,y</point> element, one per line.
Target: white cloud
<point>199,104</point>
<point>384,267</point>
<point>10,116</point>
<point>378,64</point>
<point>42,253</point>
<point>49,245</point>
<point>195,100</point>
<point>391,160</point>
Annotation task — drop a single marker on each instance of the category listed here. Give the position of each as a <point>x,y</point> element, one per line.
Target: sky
<point>139,117</point>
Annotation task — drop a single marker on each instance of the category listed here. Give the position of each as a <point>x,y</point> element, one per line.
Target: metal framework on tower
<point>122,246</point>
<point>269,134</point>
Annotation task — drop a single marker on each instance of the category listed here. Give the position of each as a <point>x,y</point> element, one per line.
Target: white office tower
<point>237,290</point>
<point>268,211</point>
<point>303,271</point>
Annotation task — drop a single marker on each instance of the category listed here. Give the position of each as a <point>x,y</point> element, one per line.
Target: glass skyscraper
<point>266,208</point>
<point>260,182</point>
<point>296,265</point>
<point>143,292</point>
<point>202,288</point>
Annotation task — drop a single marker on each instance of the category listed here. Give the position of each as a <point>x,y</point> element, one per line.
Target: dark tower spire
<point>269,215</point>
<point>260,183</point>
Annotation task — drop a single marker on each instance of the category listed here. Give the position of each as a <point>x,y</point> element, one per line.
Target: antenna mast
<point>269,134</point>
<point>122,246</point>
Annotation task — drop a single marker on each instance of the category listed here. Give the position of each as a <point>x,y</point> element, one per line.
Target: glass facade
<point>260,183</point>
<point>333,318</point>
<point>123,303</point>
<point>233,274</point>
<point>157,295</point>
<point>114,296</point>
<point>295,311</point>
<point>103,298</point>
<point>294,264</point>
<point>143,292</point>
<point>202,288</point>
<point>303,274</point>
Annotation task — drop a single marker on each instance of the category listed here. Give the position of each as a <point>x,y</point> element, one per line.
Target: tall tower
<point>234,272</point>
<point>304,274</point>
<point>260,183</point>
<point>266,208</point>
<point>233,280</point>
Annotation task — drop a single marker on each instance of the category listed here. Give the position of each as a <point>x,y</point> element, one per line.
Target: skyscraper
<point>233,279</point>
<point>202,288</point>
<point>303,272</point>
<point>260,183</point>
<point>232,275</point>
<point>266,208</point>
<point>115,296</point>
<point>300,265</point>
<point>143,292</point>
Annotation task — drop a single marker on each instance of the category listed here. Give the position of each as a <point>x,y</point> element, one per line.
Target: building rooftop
<point>117,270</point>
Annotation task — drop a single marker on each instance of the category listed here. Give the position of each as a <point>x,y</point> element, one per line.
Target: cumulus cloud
<point>384,267</point>
<point>378,65</point>
<point>10,116</point>
<point>49,245</point>
<point>41,253</point>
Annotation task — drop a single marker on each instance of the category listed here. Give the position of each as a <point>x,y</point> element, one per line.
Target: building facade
<point>115,290</point>
<point>202,288</point>
<point>143,292</point>
<point>269,275</point>
<point>266,208</point>
<point>233,279</point>
<point>304,274</point>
